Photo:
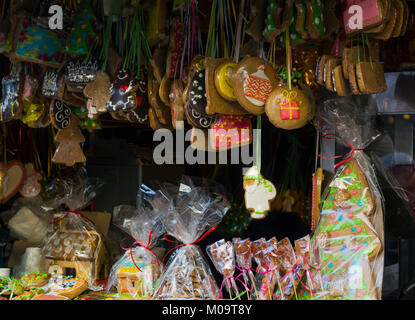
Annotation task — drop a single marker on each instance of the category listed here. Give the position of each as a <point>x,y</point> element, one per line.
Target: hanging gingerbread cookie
<point>259,193</point>
<point>11,106</point>
<point>123,92</point>
<point>31,187</point>
<point>60,114</point>
<point>52,86</point>
<point>289,108</point>
<point>253,80</point>
<point>176,103</point>
<point>99,91</point>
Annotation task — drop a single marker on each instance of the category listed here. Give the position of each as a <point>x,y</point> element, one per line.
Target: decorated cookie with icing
<point>15,173</point>
<point>215,102</point>
<point>223,80</point>
<point>259,193</point>
<point>230,131</point>
<point>31,186</point>
<point>253,81</point>
<point>99,91</point>
<point>11,105</point>
<point>69,288</point>
<point>346,239</point>
<point>77,73</point>
<point>52,86</point>
<point>196,119</point>
<point>197,92</point>
<point>37,279</point>
<point>60,114</point>
<point>30,87</point>
<point>288,109</point>
<point>123,92</point>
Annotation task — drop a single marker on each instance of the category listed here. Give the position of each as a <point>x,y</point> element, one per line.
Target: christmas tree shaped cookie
<point>69,150</point>
<point>346,239</point>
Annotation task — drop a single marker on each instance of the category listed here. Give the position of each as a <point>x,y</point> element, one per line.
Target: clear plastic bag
<point>188,210</point>
<point>73,248</point>
<point>347,245</point>
<point>138,270</point>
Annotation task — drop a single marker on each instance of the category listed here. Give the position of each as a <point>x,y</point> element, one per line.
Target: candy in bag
<point>189,211</point>
<point>139,268</point>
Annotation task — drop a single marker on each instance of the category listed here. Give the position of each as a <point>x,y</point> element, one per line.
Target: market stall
<point>207,150</point>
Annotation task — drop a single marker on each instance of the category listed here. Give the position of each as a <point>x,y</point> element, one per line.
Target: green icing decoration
<point>77,42</point>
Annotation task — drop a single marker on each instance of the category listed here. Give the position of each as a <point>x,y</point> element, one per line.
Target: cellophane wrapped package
<point>138,270</point>
<point>347,247</point>
<point>74,250</point>
<point>188,210</point>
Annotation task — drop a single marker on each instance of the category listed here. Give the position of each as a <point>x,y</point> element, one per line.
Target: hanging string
<point>288,58</point>
<point>258,142</point>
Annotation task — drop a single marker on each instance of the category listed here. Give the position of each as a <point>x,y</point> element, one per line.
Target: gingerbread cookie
<point>60,114</point>
<point>197,92</point>
<point>223,80</point>
<point>69,150</point>
<point>258,193</point>
<point>321,63</point>
<point>256,23</point>
<point>196,119</point>
<point>78,73</point>
<point>158,63</point>
<point>31,85</point>
<point>176,102</point>
<point>288,109</point>
<point>273,27</point>
<point>316,197</point>
<point>253,80</point>
<point>230,131</point>
<point>11,106</point>
<point>123,92</point>
<point>31,187</point>
<point>345,237</point>
<point>164,90</point>
<point>354,88</point>
<point>340,85</point>
<point>331,63</point>
<point>16,174</point>
<point>215,102</point>
<point>370,77</point>
<point>38,279</point>
<point>33,113</point>
<point>53,85</point>
<point>99,91</point>
<point>154,121</point>
<point>69,288</point>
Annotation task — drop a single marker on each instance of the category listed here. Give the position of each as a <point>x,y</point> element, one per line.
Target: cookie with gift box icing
<point>123,92</point>
<point>259,192</point>
<point>230,131</point>
<point>253,80</point>
<point>347,242</point>
<point>288,109</point>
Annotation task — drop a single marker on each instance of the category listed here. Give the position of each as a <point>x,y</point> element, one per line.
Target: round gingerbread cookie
<point>69,288</point>
<point>223,80</point>
<point>253,80</point>
<point>288,109</point>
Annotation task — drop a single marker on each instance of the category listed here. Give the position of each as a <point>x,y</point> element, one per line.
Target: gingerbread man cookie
<point>123,92</point>
<point>258,193</point>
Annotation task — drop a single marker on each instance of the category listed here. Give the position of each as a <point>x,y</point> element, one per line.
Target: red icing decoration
<point>290,110</point>
<point>241,127</point>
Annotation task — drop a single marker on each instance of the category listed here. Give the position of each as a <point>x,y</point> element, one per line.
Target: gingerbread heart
<point>230,131</point>
<point>288,109</point>
<point>15,176</point>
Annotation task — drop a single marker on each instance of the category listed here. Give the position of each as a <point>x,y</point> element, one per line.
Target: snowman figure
<point>258,193</point>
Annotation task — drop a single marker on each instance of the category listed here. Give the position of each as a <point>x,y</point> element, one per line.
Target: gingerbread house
<point>78,253</point>
<point>136,281</point>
